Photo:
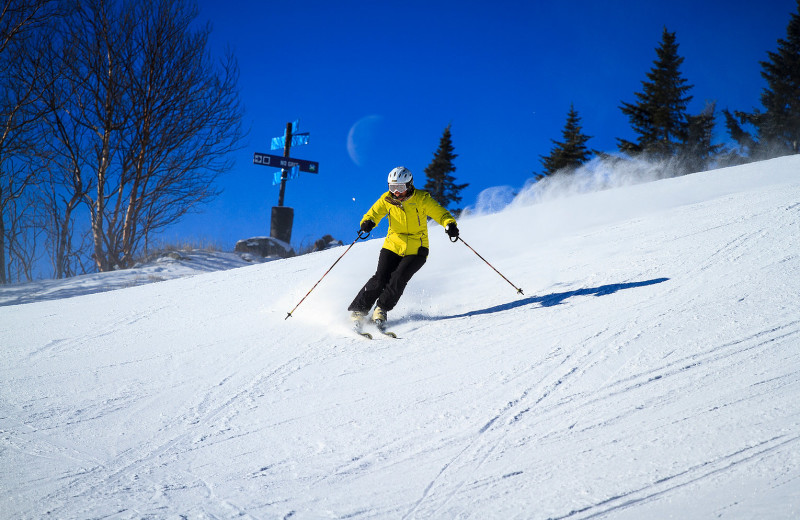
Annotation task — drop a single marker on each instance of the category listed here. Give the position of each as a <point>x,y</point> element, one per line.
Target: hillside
<point>651,370</point>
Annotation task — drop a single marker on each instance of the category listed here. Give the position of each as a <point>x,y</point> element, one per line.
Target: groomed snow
<point>651,370</point>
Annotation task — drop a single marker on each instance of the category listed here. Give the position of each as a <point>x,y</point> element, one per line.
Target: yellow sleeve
<point>377,211</point>
<point>437,212</point>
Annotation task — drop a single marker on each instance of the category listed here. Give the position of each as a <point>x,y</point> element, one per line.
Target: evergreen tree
<point>441,183</point>
<point>659,115</point>
<point>570,153</point>
<point>698,151</point>
<point>778,126</point>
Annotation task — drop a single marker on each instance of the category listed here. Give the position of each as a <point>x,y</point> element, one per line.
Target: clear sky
<point>393,75</point>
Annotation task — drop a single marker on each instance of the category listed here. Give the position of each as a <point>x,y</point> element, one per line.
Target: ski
<point>367,335</point>
<point>358,328</point>
<point>381,326</point>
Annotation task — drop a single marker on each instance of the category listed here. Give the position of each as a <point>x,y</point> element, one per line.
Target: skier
<point>406,246</point>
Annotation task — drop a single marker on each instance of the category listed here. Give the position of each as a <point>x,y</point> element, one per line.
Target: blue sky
<point>502,73</point>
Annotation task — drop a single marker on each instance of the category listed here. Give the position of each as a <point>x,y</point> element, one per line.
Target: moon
<point>363,138</point>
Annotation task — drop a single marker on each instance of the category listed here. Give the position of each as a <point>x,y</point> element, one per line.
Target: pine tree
<point>778,126</point>
<point>659,116</point>
<point>441,183</point>
<point>569,154</point>
<point>698,150</point>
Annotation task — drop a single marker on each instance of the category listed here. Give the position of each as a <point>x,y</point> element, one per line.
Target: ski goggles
<point>398,187</point>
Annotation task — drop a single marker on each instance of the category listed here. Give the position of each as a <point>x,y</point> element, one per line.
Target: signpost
<point>283,217</point>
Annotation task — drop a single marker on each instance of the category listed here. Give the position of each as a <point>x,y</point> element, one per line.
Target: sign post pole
<point>285,171</point>
<point>283,217</point>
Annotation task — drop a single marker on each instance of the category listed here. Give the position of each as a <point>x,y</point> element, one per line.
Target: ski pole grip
<point>363,235</point>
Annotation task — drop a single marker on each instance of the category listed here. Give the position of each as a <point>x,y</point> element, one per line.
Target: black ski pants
<point>388,283</point>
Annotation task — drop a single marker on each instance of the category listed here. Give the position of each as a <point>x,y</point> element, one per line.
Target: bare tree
<point>23,26</point>
<point>18,253</point>
<point>59,201</point>
<point>119,111</point>
<point>148,122</point>
<point>18,17</point>
<point>68,154</point>
<point>86,118</point>
<point>185,118</point>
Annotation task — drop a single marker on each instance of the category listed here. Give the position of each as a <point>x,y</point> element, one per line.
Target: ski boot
<point>379,319</point>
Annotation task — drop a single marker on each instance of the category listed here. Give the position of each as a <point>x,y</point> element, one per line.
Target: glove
<point>367,226</point>
<point>452,230</point>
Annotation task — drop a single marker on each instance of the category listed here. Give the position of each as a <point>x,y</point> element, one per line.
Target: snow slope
<point>175,264</point>
<point>652,370</point>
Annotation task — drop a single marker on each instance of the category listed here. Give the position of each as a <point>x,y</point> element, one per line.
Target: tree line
<point>666,131</point>
<point>115,122</point>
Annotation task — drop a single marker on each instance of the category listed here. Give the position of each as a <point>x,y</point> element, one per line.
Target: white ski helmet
<point>400,175</point>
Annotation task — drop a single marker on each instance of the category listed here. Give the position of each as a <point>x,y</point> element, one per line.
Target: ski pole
<point>519,291</point>
<point>360,236</point>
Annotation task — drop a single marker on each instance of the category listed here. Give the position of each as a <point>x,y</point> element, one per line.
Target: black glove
<point>367,226</point>
<point>452,230</point>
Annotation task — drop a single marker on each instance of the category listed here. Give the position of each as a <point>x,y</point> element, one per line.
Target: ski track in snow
<point>651,370</point>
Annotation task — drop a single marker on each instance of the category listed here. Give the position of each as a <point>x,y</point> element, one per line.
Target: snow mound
<point>167,266</point>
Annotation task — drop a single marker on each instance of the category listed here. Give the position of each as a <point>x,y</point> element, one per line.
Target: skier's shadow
<point>550,300</point>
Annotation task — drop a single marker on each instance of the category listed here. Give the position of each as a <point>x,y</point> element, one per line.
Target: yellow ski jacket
<point>408,220</point>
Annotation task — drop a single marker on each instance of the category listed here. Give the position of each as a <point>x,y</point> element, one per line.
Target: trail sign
<point>277,161</point>
<point>297,140</point>
<point>286,163</point>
